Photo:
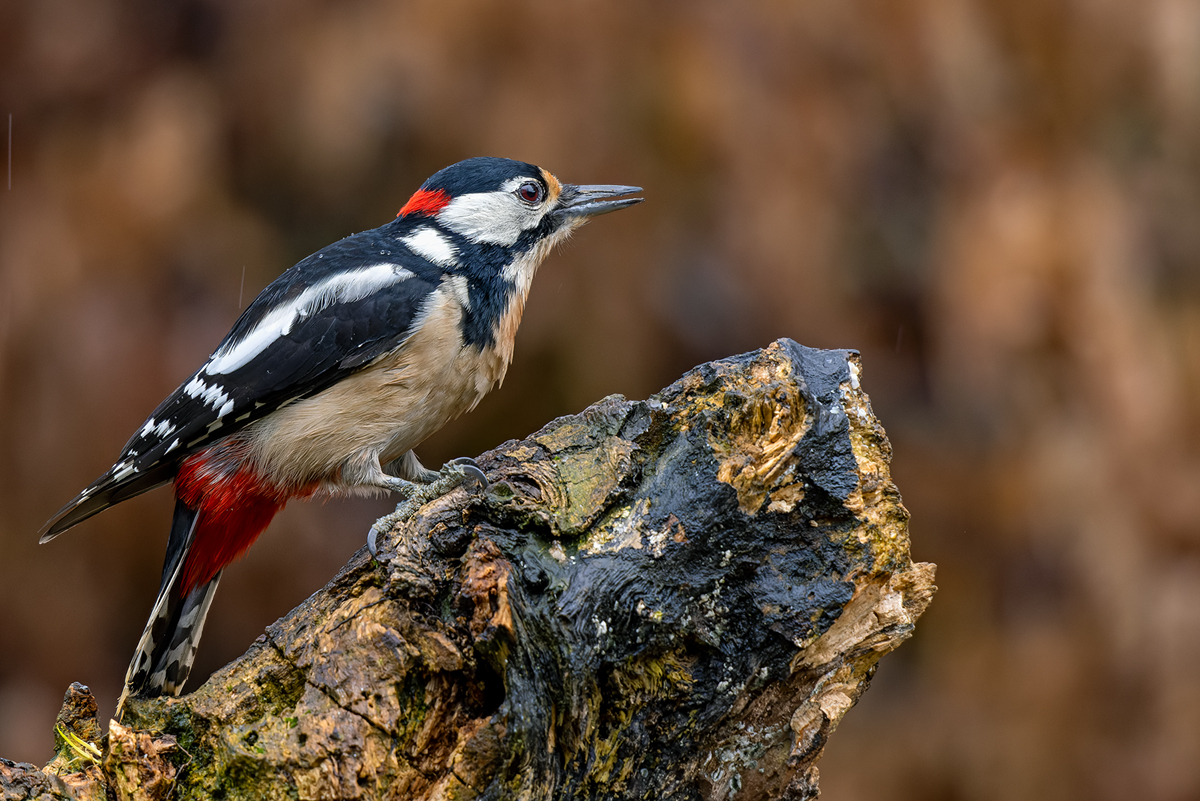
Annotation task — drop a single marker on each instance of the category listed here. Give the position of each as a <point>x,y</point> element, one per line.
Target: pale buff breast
<point>340,436</point>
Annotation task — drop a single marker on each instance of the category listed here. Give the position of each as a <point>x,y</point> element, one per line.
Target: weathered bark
<point>675,598</point>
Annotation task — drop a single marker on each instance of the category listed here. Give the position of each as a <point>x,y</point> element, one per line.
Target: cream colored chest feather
<point>387,408</point>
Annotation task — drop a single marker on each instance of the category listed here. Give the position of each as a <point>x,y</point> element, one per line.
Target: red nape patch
<point>234,509</point>
<point>425,202</point>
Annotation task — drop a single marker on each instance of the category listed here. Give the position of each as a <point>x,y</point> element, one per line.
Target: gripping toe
<point>455,473</point>
<point>467,467</point>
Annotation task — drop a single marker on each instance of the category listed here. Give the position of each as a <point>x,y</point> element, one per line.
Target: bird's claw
<point>454,473</point>
<point>466,466</point>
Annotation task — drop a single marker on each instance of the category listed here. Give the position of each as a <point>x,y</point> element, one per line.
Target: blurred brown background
<point>996,201</point>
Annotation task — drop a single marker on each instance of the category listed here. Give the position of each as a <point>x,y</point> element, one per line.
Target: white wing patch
<point>344,288</point>
<point>160,429</point>
<point>433,245</point>
<point>494,217</point>
<point>211,394</point>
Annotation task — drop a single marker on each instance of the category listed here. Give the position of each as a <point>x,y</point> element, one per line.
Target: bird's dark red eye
<point>530,191</point>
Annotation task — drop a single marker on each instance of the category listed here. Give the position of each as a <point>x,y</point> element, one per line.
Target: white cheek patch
<point>429,243</point>
<point>497,218</point>
<point>343,288</point>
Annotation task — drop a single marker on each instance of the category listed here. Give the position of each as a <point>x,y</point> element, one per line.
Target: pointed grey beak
<point>594,199</point>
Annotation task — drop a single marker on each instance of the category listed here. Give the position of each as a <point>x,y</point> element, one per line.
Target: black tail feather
<point>179,542</point>
<point>167,648</point>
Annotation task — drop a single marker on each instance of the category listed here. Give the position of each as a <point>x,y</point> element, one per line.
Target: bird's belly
<point>340,436</point>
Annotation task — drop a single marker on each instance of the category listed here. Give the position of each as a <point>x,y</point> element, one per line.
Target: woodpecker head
<point>494,203</point>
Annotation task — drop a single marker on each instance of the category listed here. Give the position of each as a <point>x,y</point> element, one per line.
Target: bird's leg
<point>419,487</point>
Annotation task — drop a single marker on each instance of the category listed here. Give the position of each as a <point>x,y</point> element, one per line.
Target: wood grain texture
<point>673,598</point>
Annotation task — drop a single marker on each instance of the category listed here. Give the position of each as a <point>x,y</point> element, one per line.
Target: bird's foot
<point>453,474</point>
<point>465,467</point>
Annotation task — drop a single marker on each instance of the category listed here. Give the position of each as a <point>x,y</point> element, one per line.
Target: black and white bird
<point>332,376</point>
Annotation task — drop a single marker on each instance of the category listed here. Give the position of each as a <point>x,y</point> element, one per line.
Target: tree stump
<point>676,598</point>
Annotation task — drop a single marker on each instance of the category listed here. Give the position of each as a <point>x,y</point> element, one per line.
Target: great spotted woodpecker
<point>331,377</point>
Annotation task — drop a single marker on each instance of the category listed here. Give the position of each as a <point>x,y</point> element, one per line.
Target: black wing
<point>323,319</point>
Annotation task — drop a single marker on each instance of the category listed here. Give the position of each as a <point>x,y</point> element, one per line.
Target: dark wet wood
<point>672,598</point>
